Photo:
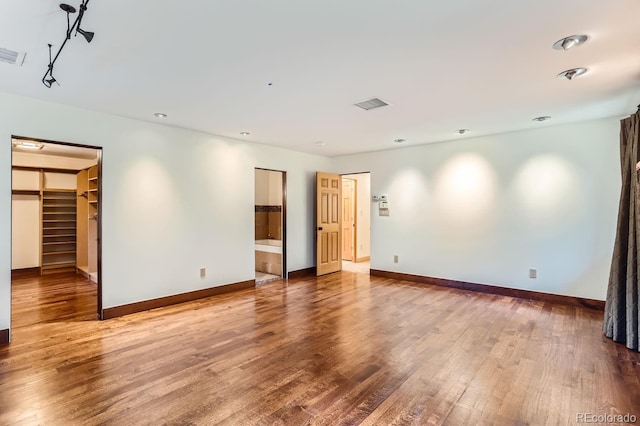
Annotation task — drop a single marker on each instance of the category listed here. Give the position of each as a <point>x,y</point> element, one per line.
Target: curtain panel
<point>622,312</point>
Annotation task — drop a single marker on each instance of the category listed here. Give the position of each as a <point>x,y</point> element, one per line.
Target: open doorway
<point>270,225</point>
<point>55,232</point>
<point>356,222</point>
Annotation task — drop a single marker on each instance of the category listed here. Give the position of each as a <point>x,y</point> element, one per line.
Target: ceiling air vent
<point>11,57</point>
<point>371,104</point>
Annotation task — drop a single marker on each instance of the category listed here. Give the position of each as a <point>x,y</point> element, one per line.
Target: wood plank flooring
<point>342,349</point>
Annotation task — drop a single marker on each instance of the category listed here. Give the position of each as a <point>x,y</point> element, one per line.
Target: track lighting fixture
<point>88,35</point>
<point>48,78</point>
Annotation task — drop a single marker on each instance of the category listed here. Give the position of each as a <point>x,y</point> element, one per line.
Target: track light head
<point>67,8</point>
<point>49,82</point>
<point>88,35</point>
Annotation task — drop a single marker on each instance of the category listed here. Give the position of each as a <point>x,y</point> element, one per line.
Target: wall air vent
<point>11,57</point>
<point>371,104</point>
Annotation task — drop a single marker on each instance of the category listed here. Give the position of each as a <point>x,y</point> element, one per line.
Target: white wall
<point>485,210</point>
<point>363,206</point>
<point>174,200</point>
<point>482,210</point>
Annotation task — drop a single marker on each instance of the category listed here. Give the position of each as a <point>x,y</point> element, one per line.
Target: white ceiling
<point>485,65</point>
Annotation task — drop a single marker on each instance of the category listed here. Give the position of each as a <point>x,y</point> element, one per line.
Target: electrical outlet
<point>395,258</point>
<point>203,272</point>
<point>533,273</point>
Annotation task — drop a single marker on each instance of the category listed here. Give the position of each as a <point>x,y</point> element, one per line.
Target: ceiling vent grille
<point>371,104</point>
<point>11,57</point>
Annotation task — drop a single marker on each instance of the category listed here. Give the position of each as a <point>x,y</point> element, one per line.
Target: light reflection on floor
<point>262,277</point>
<point>359,268</point>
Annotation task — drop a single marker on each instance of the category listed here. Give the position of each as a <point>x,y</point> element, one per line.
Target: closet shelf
<point>59,229</point>
<point>54,266</point>
<point>50,253</point>
<point>25,192</point>
<point>87,228</point>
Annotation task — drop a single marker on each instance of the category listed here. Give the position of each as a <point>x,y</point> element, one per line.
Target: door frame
<point>355,242</point>
<point>99,221</point>
<point>354,215</point>
<point>284,215</point>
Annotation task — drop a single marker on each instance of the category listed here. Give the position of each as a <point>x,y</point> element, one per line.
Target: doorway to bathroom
<point>270,224</point>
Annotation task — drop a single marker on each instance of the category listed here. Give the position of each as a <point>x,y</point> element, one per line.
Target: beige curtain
<point>622,311</point>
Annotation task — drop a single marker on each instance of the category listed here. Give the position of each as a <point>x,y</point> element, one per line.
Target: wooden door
<point>328,223</point>
<point>348,219</point>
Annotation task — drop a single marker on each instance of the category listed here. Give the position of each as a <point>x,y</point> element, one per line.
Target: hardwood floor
<point>342,349</point>
<point>37,300</point>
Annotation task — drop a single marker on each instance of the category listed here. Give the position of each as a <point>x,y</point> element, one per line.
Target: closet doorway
<point>356,222</point>
<point>56,262</point>
<point>270,221</point>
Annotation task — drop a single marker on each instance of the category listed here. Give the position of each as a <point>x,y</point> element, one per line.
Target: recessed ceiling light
<point>319,143</point>
<point>399,140</point>
<point>569,42</point>
<point>463,131</point>
<point>160,115</point>
<point>542,118</point>
<point>28,145</point>
<point>245,133</point>
<point>572,73</point>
